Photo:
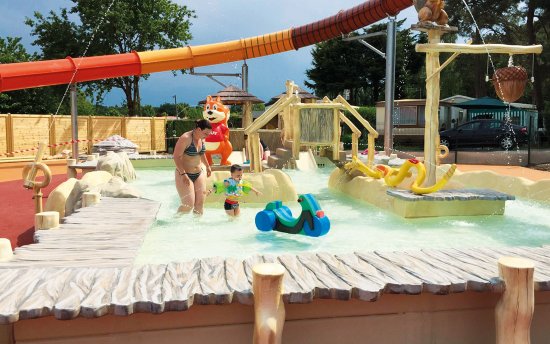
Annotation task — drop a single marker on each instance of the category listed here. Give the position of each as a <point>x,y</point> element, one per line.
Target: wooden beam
<point>296,130</point>
<point>371,148</point>
<point>431,128</point>
<point>336,134</point>
<point>356,114</point>
<point>350,124</point>
<point>478,48</point>
<point>319,106</point>
<point>270,113</point>
<point>446,63</point>
<point>247,114</point>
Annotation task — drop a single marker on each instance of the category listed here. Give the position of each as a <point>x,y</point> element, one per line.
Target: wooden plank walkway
<point>86,269</point>
<point>108,234</point>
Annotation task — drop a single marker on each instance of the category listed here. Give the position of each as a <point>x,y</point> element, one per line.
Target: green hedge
<point>368,113</point>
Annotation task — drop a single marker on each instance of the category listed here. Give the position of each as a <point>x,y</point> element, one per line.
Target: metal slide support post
<point>390,86</point>
<point>74,121</point>
<point>244,77</point>
<point>529,138</point>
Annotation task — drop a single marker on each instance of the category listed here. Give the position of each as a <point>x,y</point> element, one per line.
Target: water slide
<point>15,76</point>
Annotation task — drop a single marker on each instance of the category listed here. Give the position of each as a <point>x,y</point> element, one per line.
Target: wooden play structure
<point>433,70</point>
<point>29,177</point>
<point>309,125</point>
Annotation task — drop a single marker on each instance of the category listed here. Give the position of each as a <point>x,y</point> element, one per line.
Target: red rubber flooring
<point>17,210</point>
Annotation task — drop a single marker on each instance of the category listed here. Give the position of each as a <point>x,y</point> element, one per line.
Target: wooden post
<point>371,149</point>
<point>6,252</point>
<point>514,311</point>
<point>90,134</point>
<point>431,130</point>
<point>9,134</point>
<point>247,114</point>
<point>38,208</point>
<point>336,134</point>
<point>46,220</point>
<point>90,198</point>
<point>269,309</point>
<point>153,138</point>
<point>71,172</point>
<point>31,176</point>
<point>254,155</point>
<point>51,123</point>
<point>296,129</point>
<point>123,127</point>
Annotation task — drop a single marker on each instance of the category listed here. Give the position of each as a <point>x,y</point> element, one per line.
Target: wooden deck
<point>86,269</point>
<point>107,234</point>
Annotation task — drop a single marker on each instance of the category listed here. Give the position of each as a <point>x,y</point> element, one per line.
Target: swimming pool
<point>355,226</point>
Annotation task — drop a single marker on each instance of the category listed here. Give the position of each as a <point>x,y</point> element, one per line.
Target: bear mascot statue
<point>218,141</point>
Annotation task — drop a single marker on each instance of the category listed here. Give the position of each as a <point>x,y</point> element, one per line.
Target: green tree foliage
<point>37,100</point>
<point>184,110</point>
<point>537,30</point>
<point>339,65</point>
<point>496,21</point>
<point>107,27</point>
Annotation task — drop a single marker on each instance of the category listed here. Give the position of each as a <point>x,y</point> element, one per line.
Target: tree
<point>122,26</point>
<point>37,100</point>
<point>537,29</point>
<point>494,21</point>
<point>339,65</point>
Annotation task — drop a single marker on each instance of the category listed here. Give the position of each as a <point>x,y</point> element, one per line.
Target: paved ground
<point>517,171</point>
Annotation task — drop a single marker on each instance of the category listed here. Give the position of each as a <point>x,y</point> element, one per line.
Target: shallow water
<point>355,226</point>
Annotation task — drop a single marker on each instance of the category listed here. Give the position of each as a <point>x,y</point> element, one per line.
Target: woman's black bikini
<point>191,150</point>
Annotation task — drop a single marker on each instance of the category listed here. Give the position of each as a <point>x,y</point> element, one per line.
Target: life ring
<point>32,183</point>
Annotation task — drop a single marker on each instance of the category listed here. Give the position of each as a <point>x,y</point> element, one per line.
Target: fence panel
<point>138,130</point>
<point>160,135</point>
<point>20,132</point>
<point>63,133</point>
<point>28,131</point>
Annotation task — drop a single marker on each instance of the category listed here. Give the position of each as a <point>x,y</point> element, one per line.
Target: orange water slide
<point>15,76</point>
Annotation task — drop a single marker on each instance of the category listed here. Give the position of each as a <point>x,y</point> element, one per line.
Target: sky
<point>217,21</point>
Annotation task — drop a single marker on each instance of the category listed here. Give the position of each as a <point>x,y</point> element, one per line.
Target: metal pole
<point>244,76</point>
<point>529,138</point>
<point>390,86</point>
<point>176,105</point>
<point>74,121</point>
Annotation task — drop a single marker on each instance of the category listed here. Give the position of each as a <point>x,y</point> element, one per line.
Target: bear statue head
<point>215,111</point>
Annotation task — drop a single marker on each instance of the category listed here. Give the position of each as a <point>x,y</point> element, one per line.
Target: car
<point>485,132</point>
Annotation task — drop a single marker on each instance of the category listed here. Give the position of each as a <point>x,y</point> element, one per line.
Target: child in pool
<point>234,190</point>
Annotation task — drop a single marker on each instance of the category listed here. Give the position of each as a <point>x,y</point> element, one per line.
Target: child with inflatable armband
<point>234,187</point>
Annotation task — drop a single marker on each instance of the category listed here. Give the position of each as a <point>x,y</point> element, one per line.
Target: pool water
<point>355,225</point>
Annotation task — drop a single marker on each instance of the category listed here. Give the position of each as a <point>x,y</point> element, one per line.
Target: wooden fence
<point>19,132</point>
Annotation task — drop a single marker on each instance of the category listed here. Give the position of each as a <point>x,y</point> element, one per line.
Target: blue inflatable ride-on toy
<point>311,222</point>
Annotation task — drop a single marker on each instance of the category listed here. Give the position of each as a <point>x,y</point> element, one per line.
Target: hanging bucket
<point>509,83</point>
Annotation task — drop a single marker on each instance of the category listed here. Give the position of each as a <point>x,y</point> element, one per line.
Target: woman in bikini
<point>189,158</point>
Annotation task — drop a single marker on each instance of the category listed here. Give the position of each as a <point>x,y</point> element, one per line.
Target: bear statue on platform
<point>217,142</point>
